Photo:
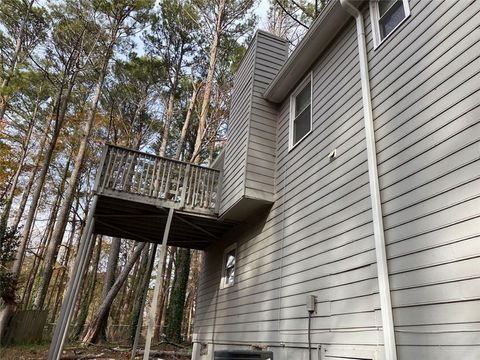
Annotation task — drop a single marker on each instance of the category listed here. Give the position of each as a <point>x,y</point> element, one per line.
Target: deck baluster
<point>116,168</point>
<point>154,178</point>
<point>108,169</point>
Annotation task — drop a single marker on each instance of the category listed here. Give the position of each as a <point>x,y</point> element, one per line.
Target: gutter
<point>378,230</point>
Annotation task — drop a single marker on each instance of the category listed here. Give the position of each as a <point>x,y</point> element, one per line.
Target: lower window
<point>229,263</point>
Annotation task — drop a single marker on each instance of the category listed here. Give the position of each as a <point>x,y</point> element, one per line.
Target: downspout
<point>378,231</point>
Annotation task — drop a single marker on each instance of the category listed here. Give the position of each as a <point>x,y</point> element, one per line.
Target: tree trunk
<point>164,295</point>
<point>177,299</point>
<point>128,294</point>
<point>33,173</point>
<point>60,225</point>
<point>166,124</point>
<point>139,301</point>
<point>44,240</point>
<point>60,107</point>
<point>93,330</point>
<point>90,290</point>
<point>13,64</point>
<point>135,284</point>
<point>202,122</point>
<point>186,124</point>
<point>13,186</point>
<point>195,267</point>
<point>109,280</point>
<point>66,259</point>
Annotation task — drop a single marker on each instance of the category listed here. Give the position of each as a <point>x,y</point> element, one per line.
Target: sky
<point>262,13</point>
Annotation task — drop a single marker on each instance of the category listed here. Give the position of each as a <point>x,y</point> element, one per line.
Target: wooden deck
<point>136,189</point>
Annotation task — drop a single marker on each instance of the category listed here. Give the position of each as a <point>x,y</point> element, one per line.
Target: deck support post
<point>158,287</point>
<point>61,328</point>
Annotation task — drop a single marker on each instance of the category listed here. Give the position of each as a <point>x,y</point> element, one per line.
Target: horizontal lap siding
<point>233,181</point>
<point>260,167</point>
<point>250,152</point>
<point>317,238</point>
<point>426,102</point>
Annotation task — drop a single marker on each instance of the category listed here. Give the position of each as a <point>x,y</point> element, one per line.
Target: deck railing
<point>158,180</point>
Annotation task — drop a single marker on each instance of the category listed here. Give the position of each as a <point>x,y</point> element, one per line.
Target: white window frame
<point>223,282</point>
<point>375,18</point>
<point>293,96</point>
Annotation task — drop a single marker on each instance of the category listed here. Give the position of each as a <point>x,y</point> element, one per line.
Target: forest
<point>76,75</point>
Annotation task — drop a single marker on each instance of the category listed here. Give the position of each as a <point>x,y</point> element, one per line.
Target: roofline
<point>323,30</point>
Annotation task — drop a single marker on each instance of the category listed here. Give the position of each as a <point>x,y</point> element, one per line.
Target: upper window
<point>387,15</point>
<point>228,271</point>
<point>301,112</point>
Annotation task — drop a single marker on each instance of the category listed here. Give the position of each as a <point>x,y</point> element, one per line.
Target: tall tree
<point>172,37</point>
<point>62,73</point>
<point>177,298</point>
<point>224,20</point>
<point>290,20</point>
<point>92,332</point>
<point>24,26</point>
<point>120,18</point>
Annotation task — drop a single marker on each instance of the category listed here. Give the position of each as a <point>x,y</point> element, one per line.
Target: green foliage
<point>177,299</point>
<point>9,240</point>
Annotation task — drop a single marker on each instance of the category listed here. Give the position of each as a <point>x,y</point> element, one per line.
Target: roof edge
<point>325,27</point>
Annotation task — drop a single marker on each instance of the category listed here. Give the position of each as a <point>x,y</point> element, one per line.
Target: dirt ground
<point>39,352</point>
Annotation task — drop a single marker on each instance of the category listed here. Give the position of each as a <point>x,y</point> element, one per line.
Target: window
<point>386,16</point>
<point>228,272</point>
<point>301,112</point>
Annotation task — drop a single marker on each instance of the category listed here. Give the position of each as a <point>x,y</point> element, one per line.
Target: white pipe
<point>378,231</point>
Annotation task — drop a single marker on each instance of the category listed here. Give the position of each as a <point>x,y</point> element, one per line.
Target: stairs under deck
<point>136,189</point>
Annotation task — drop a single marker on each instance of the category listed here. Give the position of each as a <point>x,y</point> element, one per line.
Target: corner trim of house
<point>378,230</point>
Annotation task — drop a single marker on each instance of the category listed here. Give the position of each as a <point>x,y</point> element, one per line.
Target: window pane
<point>384,5</point>
<point>301,125</point>
<point>230,259</point>
<point>302,100</point>
<point>230,267</point>
<point>391,19</point>
<point>230,276</point>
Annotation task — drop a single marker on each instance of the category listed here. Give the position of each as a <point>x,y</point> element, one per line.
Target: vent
<point>243,355</point>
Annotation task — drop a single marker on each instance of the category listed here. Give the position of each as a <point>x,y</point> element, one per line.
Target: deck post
<point>158,286</point>
<point>61,328</point>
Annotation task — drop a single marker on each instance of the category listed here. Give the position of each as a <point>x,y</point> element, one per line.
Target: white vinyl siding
<point>317,238</point>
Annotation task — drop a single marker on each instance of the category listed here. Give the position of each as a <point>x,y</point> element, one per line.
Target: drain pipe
<point>378,231</point>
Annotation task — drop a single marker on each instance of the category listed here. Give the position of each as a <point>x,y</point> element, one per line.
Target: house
<point>353,172</point>
<point>342,221</point>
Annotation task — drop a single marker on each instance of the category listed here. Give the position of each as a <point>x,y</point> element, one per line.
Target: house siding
<point>425,84</point>
<point>250,152</point>
<point>318,237</point>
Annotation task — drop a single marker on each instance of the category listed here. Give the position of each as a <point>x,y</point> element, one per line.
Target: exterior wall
<point>426,104</point>
<point>318,238</point>
<point>250,152</point>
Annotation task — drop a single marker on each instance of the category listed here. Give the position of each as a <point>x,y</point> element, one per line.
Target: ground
<point>39,352</point>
